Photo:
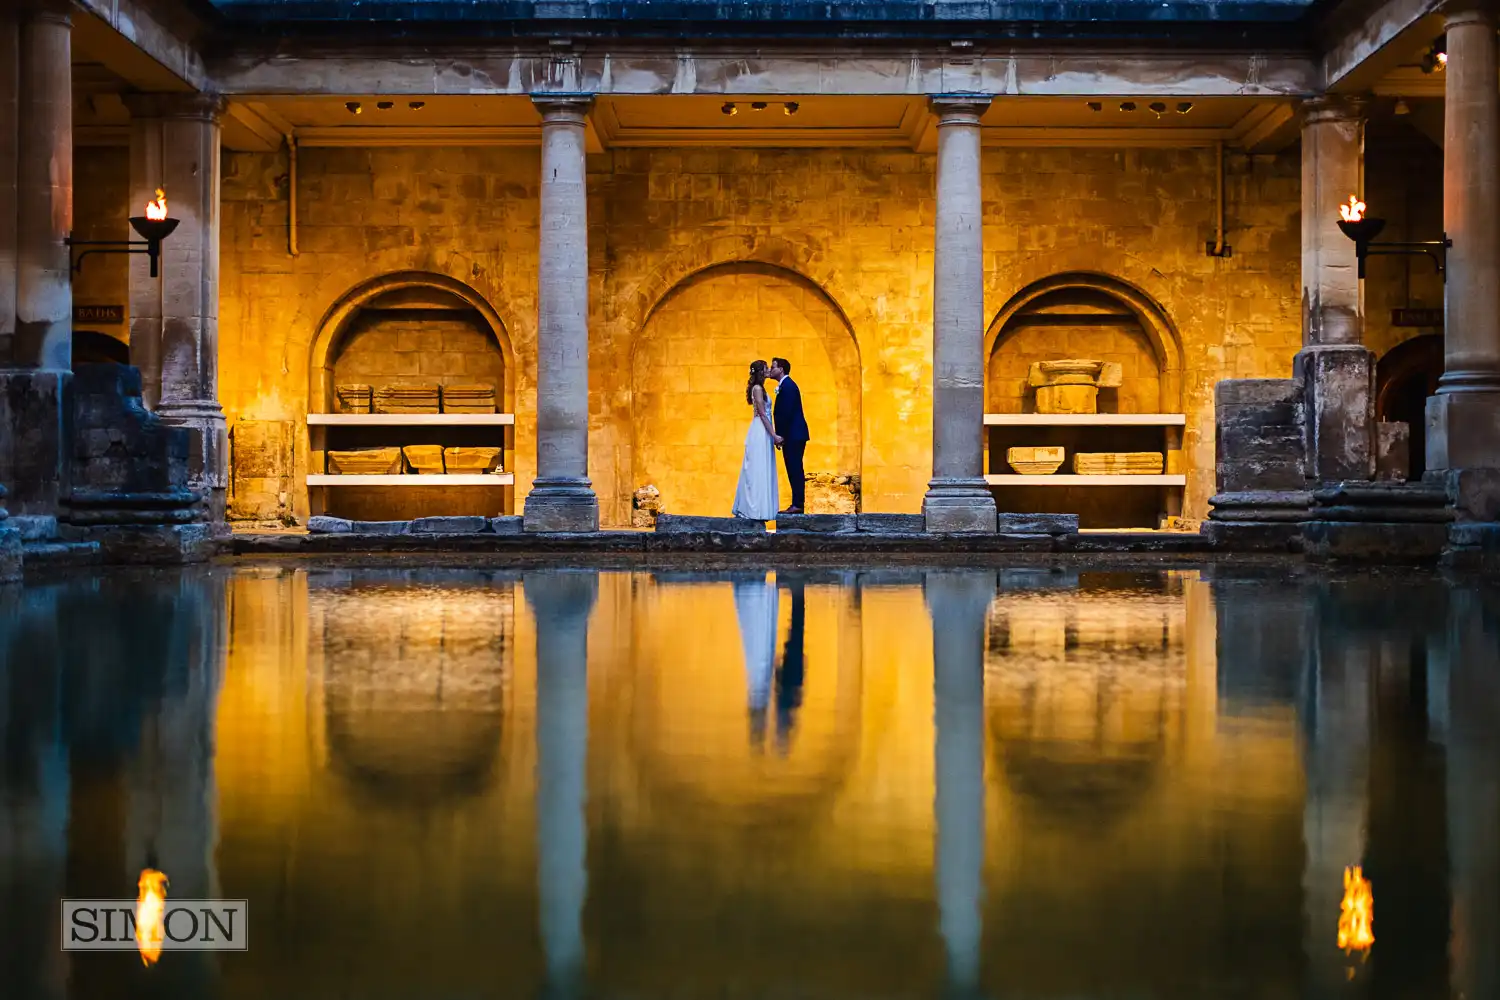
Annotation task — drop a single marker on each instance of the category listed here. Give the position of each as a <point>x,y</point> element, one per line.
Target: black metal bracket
<point>1435,250</point>
<point>151,248</point>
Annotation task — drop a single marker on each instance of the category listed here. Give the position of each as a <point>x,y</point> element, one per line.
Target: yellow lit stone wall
<point>851,229</point>
<point>101,211</point>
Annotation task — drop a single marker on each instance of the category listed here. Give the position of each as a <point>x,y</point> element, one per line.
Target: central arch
<point>689,363</point>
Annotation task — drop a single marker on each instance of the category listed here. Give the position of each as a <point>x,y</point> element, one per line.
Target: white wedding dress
<point>755,602</point>
<point>757,496</point>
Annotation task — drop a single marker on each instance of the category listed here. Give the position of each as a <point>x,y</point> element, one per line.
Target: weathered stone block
<point>561,508</point>
<point>466,525</point>
<point>34,527</point>
<point>1255,393</point>
<point>508,525</point>
<point>322,524</point>
<point>36,430</point>
<point>1392,451</point>
<point>10,554</point>
<point>1288,506</point>
<point>1008,523</point>
<point>1463,431</point>
<point>1474,493</point>
<point>725,525</point>
<point>380,527</point>
<point>892,524</point>
<point>1374,541</point>
<point>1338,386</point>
<point>158,545</point>
<point>816,522</point>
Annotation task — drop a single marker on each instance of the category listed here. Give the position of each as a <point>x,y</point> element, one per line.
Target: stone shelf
<point>1062,479</point>
<point>411,419</point>
<point>455,479</point>
<point>1085,419</point>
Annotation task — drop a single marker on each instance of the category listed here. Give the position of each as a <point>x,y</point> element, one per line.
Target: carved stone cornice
<point>195,106</point>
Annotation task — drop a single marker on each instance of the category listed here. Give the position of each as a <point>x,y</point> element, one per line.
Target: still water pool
<point>823,784</point>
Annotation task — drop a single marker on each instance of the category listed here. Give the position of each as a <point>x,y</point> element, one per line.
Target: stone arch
<point>705,326</point>
<point>336,322</point>
<point>1404,377</point>
<point>1160,333</point>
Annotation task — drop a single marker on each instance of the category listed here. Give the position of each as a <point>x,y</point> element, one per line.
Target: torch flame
<point>1356,921</point>
<point>157,210</point>
<point>1354,211</point>
<point>150,909</point>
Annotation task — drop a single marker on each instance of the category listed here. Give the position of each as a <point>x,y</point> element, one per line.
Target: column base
<point>208,452</point>
<point>959,506</point>
<point>1463,431</point>
<point>1338,392</point>
<point>564,505</point>
<point>149,544</point>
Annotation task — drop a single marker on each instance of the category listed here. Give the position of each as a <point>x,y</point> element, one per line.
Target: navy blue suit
<point>792,426</point>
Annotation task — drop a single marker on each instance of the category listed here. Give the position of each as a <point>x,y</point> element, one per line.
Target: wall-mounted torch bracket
<point>153,231</point>
<point>1363,232</point>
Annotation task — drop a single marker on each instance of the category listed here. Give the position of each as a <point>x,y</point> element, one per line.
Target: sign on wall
<point>1416,317</point>
<point>98,314</point>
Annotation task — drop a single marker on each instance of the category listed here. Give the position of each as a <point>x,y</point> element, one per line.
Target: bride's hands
<point>777,438</point>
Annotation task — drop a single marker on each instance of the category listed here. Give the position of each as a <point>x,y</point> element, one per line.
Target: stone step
<point>723,525</point>
<point>817,522</point>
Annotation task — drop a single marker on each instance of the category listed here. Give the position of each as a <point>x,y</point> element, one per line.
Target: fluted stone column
<point>1463,419</point>
<point>1336,714</point>
<point>562,497</point>
<point>174,318</point>
<point>1336,369</point>
<point>957,497</point>
<point>561,604</point>
<point>958,602</point>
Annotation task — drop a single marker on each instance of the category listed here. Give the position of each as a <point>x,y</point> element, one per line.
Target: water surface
<point>460,783</point>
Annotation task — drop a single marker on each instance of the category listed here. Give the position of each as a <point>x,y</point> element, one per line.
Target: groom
<point>791,426</point>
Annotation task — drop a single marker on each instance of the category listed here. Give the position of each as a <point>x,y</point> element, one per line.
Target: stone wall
<point>101,211</point>
<point>405,346</point>
<point>841,238</point>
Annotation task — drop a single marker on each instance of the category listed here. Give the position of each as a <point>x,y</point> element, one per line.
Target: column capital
<point>1458,12</point>
<point>958,109</point>
<point>565,109</point>
<point>202,107</point>
<point>56,11</point>
<point>1335,108</point>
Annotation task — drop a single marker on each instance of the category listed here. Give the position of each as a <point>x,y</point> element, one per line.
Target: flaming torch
<point>150,911</point>
<point>156,210</point>
<point>153,227</point>
<point>1360,228</point>
<point>1357,912</point>
<point>1352,212</point>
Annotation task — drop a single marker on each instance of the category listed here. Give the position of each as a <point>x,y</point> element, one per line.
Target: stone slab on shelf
<point>678,523</point>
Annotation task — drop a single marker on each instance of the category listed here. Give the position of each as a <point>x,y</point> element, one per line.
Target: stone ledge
<point>891,524</point>
<point>1037,524</point>
<point>34,527</point>
<point>61,555</point>
<point>459,525</point>
<point>680,523</point>
<point>1374,541</point>
<point>817,522</point>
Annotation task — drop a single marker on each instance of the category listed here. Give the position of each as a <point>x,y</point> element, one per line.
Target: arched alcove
<point>1087,315</point>
<point>91,347</point>
<point>1084,315</point>
<point>689,365</point>
<point>411,327</point>
<point>1404,377</point>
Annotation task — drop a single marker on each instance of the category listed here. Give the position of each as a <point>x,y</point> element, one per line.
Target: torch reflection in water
<point>1357,918</point>
<point>150,909</point>
<point>157,210</point>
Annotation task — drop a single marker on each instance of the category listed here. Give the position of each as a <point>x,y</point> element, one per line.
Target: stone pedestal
<point>1260,449</point>
<point>561,604</point>
<point>1463,419</point>
<point>130,475</point>
<point>1338,406</point>
<point>562,497</point>
<point>174,318</point>
<point>1377,522</point>
<point>958,500</point>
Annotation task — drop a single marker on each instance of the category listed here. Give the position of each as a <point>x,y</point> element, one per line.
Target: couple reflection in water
<point>757,601</point>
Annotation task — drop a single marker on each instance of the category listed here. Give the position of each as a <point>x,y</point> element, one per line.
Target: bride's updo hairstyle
<point>757,377</point>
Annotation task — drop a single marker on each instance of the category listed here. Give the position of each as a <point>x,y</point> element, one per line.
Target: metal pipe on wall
<point>291,195</point>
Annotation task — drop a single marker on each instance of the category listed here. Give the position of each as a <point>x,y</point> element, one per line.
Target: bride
<point>757,497</point>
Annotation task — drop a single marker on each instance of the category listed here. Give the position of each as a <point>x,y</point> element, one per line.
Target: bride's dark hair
<point>757,377</point>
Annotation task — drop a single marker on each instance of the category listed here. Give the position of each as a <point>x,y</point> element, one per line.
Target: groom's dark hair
<point>783,364</point>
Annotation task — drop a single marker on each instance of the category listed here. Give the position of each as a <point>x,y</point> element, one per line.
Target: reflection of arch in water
<point>689,361</point>
<point>1080,694</point>
<point>413,687</point>
<point>744,794</point>
<point>1404,377</point>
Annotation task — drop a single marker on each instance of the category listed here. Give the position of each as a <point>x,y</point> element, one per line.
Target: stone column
<point>1336,715</point>
<point>1336,370</point>
<point>174,318</point>
<point>10,82</point>
<point>561,604</point>
<point>957,497</point>
<point>562,498</point>
<point>36,338</point>
<point>958,603</point>
<point>1463,419</point>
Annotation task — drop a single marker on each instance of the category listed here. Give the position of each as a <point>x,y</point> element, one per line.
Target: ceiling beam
<point>150,50</point>
<point>1365,39</point>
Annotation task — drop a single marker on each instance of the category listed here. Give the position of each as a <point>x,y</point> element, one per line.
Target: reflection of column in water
<point>957,603</point>
<point>34,793</point>
<point>1474,799</point>
<point>171,824</point>
<point>561,603</point>
<point>1336,723</point>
